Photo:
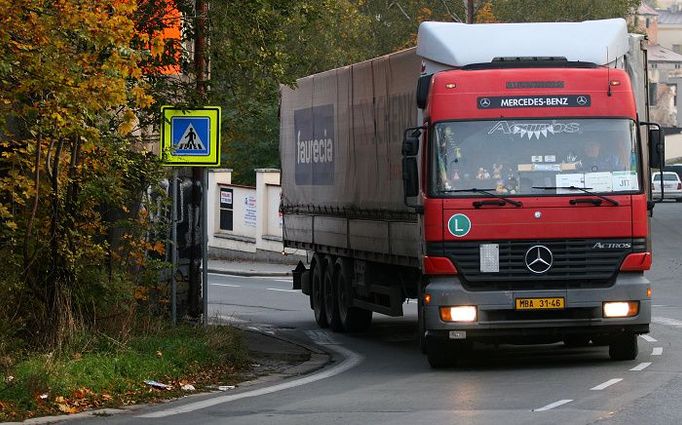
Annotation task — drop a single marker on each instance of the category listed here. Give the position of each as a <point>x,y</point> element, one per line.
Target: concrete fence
<point>244,222</point>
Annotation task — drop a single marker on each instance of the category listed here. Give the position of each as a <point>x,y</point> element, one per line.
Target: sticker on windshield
<point>599,182</point>
<point>624,181</point>
<point>535,129</point>
<point>459,225</point>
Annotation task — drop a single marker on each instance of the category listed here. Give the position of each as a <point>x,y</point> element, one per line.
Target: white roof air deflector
<point>456,45</point>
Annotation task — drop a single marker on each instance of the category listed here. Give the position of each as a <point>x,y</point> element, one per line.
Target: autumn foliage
<point>72,169</point>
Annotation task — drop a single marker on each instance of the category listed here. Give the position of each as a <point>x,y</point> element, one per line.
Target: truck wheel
<point>440,354</point>
<point>317,294</point>
<point>353,319</point>
<point>624,347</point>
<point>331,305</point>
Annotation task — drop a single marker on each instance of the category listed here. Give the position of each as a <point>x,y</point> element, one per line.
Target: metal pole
<point>204,233</point>
<point>174,246</point>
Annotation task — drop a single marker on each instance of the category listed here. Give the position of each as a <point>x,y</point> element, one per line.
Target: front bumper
<point>499,321</point>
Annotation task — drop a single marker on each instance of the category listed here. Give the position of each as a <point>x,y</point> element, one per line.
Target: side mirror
<point>423,86</point>
<point>410,145</point>
<point>410,177</point>
<point>411,165</point>
<point>656,148</point>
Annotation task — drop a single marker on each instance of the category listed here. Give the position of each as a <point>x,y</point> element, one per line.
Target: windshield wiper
<point>585,190</point>
<point>488,192</point>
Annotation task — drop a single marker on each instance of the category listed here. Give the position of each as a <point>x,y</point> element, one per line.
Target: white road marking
<point>552,405</point>
<point>283,280</point>
<point>641,366</point>
<point>659,305</point>
<point>657,351</point>
<point>284,290</point>
<point>226,285</point>
<point>606,384</point>
<point>351,359</point>
<point>648,338</point>
<point>666,321</point>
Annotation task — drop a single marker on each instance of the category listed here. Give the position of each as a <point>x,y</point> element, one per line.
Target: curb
<point>248,273</point>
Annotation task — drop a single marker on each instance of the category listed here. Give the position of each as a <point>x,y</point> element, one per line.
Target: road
<point>381,378</point>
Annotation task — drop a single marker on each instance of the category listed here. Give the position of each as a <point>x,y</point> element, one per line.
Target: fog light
<point>621,309</point>
<point>462,313</point>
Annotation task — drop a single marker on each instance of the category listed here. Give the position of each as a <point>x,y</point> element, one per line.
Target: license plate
<point>554,303</point>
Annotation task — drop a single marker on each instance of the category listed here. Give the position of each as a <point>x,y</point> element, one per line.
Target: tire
<point>317,294</point>
<point>624,347</point>
<point>439,354</point>
<point>331,305</point>
<point>353,319</point>
<point>577,341</point>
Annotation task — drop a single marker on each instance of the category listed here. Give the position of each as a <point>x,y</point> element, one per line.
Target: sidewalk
<point>248,268</point>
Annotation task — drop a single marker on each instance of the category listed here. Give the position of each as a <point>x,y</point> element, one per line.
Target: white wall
<point>256,219</point>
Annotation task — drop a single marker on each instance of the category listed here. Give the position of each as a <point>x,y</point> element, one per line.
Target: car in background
<point>677,168</point>
<point>672,185</point>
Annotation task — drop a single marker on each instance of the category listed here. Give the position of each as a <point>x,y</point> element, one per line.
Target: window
<point>520,157</point>
<point>653,96</point>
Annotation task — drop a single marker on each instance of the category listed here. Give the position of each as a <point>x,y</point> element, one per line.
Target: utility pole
<point>198,173</point>
<point>470,11</point>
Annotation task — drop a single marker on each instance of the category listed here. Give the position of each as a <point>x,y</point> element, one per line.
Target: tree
<point>558,10</point>
<point>71,84</point>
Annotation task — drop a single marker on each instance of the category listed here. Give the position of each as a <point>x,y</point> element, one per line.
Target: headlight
<point>462,313</point>
<point>621,309</point>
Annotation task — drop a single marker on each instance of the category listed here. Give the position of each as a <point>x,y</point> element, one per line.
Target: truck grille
<point>576,263</point>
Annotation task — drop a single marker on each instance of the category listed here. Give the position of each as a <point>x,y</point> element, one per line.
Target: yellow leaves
<point>141,98</point>
<point>157,46</point>
<point>65,408</point>
<point>128,123</point>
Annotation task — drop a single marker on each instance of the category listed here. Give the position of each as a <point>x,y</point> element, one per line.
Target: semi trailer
<point>497,173</point>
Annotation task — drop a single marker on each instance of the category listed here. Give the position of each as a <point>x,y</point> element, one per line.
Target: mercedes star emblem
<point>484,102</point>
<point>539,259</point>
<point>582,100</point>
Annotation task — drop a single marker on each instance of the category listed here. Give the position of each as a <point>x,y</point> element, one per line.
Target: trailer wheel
<point>331,305</point>
<point>317,294</point>
<point>624,347</point>
<point>353,319</point>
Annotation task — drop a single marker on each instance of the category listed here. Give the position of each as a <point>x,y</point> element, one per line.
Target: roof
<point>668,17</point>
<point>645,9</point>
<point>456,44</point>
<point>658,53</point>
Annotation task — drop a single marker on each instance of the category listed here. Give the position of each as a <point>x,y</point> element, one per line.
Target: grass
<point>98,371</point>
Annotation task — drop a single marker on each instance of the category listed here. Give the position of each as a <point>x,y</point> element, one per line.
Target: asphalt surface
<point>381,377</point>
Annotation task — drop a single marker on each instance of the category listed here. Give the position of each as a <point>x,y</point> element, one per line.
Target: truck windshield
<point>520,157</point>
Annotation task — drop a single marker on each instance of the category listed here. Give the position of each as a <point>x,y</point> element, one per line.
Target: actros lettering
<point>611,245</point>
<point>314,151</point>
<point>535,129</point>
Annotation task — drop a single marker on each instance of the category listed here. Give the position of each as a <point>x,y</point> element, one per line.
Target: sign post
<point>190,138</point>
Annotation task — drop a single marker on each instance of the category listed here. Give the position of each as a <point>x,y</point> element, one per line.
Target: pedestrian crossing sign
<point>190,137</point>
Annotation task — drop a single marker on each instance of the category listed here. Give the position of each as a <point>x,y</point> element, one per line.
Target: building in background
<point>664,33</point>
